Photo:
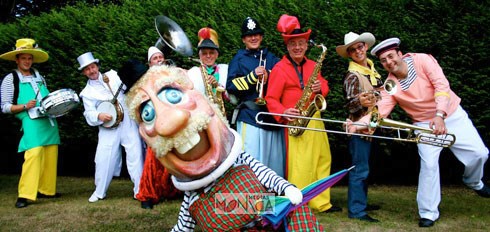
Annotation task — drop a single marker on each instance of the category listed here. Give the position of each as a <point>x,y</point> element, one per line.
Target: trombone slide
<point>423,136</point>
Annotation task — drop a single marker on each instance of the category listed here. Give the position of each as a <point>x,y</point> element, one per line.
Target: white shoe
<point>93,198</point>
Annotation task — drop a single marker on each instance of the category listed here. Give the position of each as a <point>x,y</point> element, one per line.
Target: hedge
<point>454,32</point>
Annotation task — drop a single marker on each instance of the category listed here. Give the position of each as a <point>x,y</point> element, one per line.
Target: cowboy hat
<point>352,38</point>
<point>27,46</point>
<point>290,28</point>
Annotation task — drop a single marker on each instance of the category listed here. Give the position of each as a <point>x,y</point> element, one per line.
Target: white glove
<point>294,195</point>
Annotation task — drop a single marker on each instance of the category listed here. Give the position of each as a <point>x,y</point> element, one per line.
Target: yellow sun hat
<point>27,46</point>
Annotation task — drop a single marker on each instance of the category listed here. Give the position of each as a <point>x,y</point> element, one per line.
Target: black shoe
<point>333,209</point>
<point>147,204</point>
<point>424,222</point>
<point>56,195</point>
<point>484,192</point>
<point>21,203</point>
<point>372,207</point>
<point>367,218</point>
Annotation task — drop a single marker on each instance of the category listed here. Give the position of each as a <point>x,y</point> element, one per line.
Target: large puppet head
<point>188,134</point>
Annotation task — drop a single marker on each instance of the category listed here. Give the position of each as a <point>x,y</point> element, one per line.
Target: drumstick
<point>38,91</point>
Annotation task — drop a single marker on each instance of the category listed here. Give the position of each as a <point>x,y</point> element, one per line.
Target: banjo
<point>111,107</point>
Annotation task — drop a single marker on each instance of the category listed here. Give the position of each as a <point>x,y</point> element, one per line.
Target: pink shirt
<point>428,93</point>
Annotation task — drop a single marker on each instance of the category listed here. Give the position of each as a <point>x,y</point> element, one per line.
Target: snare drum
<point>59,102</point>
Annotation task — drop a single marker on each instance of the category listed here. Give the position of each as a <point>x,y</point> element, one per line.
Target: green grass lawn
<point>461,210</point>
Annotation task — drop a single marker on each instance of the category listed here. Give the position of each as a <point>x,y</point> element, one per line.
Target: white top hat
<point>385,45</point>
<point>352,38</point>
<point>86,59</point>
<point>151,51</point>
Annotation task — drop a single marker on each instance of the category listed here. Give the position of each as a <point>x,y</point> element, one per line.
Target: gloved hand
<point>294,195</point>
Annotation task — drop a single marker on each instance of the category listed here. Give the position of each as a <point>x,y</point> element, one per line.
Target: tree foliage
<point>12,9</point>
<point>454,32</point>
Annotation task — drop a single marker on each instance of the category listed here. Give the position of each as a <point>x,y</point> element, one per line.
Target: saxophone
<point>215,98</point>
<point>306,104</point>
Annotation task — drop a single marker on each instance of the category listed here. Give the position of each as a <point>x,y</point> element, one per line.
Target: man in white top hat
<point>360,82</point>
<point>22,91</point>
<point>422,90</point>
<point>115,130</point>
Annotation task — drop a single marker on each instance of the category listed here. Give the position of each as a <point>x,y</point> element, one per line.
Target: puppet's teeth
<point>193,141</point>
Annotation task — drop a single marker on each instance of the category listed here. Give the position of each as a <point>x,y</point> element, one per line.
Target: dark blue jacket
<point>242,81</point>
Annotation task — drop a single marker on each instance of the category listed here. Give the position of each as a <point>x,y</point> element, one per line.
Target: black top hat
<point>131,71</point>
<point>250,26</point>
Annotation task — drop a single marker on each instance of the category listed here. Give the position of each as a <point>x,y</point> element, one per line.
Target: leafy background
<point>454,32</point>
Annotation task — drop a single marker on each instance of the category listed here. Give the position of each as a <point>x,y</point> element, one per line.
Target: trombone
<point>404,132</point>
<point>260,83</point>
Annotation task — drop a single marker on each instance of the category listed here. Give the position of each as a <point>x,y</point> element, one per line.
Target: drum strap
<point>33,81</point>
<point>37,89</point>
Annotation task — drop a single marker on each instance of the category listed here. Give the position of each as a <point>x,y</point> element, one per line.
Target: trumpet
<point>260,83</point>
<point>404,132</point>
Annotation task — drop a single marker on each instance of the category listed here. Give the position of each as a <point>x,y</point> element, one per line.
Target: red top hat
<point>290,28</point>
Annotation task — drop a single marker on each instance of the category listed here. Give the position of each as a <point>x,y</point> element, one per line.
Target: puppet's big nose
<point>171,121</point>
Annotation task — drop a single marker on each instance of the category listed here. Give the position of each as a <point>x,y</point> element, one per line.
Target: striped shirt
<point>267,177</point>
<point>7,89</point>
<point>412,75</point>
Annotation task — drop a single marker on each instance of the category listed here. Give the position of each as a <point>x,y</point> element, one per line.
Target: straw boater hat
<point>290,28</point>
<point>208,38</point>
<point>250,26</point>
<point>352,38</point>
<point>152,51</point>
<point>27,46</point>
<point>385,45</point>
<point>86,59</point>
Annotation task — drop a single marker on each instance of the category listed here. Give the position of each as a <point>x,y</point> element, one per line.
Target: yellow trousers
<point>309,159</point>
<point>39,172</point>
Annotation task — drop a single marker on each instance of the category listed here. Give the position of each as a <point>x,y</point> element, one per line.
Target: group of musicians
<point>256,81</point>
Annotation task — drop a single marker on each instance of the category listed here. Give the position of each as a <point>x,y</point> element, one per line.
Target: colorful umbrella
<point>282,205</point>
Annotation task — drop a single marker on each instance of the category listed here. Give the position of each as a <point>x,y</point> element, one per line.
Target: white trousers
<point>108,155</point>
<point>468,149</point>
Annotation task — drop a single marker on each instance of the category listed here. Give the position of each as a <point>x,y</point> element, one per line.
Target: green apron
<point>40,131</point>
